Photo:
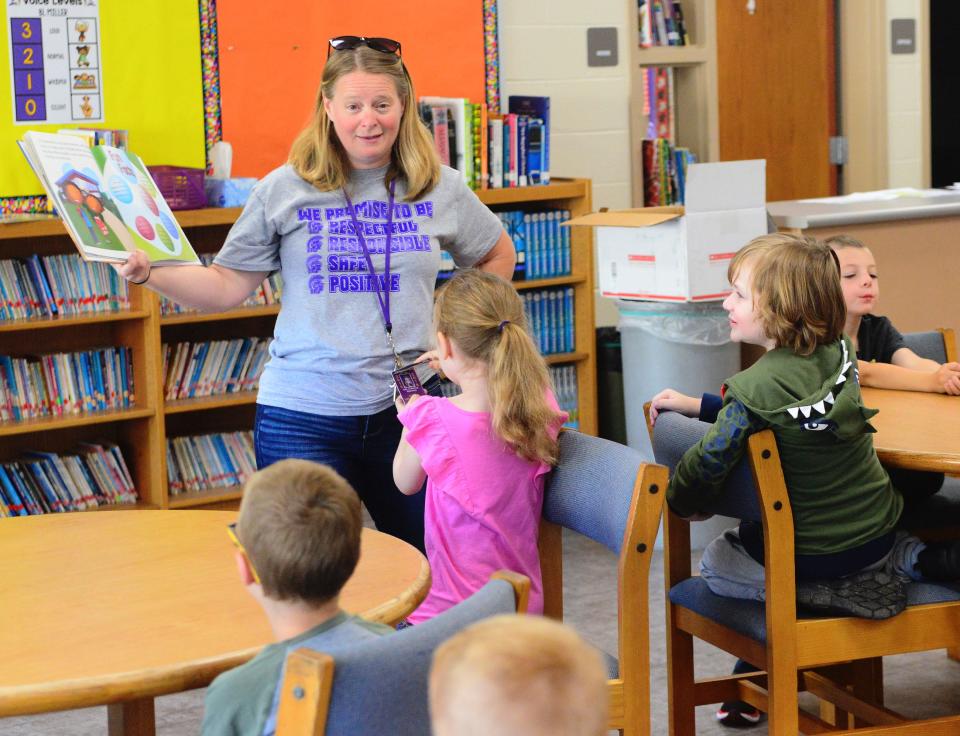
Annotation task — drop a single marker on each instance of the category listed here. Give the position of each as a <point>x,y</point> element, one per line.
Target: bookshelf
<point>695,86</point>
<point>142,431</point>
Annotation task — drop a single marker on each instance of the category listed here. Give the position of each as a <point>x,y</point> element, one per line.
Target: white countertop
<point>859,209</point>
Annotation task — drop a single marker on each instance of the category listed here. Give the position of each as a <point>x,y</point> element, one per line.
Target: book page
<point>107,200</point>
<point>143,218</point>
<point>71,176</point>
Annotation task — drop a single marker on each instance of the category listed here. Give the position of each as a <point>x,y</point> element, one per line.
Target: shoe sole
<point>871,595</point>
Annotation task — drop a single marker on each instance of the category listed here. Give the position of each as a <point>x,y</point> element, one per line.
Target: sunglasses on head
<point>232,533</point>
<point>348,43</point>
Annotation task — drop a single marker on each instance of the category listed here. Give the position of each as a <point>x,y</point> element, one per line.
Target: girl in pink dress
<point>485,452</point>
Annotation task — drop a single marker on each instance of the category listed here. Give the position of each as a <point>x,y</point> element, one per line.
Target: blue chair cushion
<point>748,618</point>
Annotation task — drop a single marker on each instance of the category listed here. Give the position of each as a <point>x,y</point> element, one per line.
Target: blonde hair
<point>317,154</point>
<point>839,242</point>
<point>484,316</point>
<point>300,525</point>
<point>514,674</point>
<point>796,290</point>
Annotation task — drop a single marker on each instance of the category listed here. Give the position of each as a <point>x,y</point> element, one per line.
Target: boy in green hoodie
<point>787,298</point>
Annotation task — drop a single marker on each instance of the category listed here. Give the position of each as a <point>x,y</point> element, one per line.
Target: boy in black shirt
<point>884,360</point>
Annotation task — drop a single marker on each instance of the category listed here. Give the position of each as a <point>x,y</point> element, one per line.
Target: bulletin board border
<point>211,75</point>
<point>37,204</point>
<point>491,54</point>
<point>212,117</point>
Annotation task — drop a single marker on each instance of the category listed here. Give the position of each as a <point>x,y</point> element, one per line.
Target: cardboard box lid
<point>639,217</point>
<point>726,185</point>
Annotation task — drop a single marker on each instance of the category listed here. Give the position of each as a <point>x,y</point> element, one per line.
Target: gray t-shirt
<point>330,355</point>
<point>243,701</point>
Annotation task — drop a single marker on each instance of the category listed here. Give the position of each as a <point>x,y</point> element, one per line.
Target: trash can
<point>685,347</point>
<point>610,412</point>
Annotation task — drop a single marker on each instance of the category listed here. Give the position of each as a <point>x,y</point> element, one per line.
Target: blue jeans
<point>360,448</point>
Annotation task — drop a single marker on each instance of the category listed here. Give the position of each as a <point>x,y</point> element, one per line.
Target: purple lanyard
<point>383,296</point>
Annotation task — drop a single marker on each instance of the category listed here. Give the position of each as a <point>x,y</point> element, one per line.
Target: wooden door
<point>777,91</point>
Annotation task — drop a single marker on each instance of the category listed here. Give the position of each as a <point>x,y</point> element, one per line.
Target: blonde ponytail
<point>484,316</point>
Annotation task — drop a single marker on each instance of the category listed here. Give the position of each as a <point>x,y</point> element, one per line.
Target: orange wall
<point>270,62</point>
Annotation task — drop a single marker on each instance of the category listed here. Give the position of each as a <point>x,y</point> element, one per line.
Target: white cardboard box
<point>681,254</point>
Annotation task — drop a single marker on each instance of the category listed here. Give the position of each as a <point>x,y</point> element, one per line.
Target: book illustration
<point>107,200</point>
<point>536,108</point>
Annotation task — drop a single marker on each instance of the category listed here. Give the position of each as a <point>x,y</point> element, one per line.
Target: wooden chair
<point>836,659</point>
<point>380,686</point>
<point>606,492</point>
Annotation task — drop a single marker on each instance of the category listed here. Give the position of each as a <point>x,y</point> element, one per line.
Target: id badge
<point>416,379</point>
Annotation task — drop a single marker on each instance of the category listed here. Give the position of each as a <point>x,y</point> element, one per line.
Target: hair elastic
<point>501,325</point>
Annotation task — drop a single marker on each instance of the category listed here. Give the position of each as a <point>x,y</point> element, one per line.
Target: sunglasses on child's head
<point>232,533</point>
<point>348,43</point>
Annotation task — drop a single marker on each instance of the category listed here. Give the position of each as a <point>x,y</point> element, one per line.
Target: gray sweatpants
<point>728,569</point>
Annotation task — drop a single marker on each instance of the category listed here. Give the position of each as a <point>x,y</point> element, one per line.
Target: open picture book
<point>107,200</point>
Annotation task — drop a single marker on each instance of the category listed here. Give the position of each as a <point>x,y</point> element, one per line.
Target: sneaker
<point>940,561</point>
<point>737,714</point>
<point>873,595</point>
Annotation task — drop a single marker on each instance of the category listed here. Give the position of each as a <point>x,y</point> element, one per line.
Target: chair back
<point>674,434</point>
<point>380,686</point>
<point>928,345</point>
<point>591,489</point>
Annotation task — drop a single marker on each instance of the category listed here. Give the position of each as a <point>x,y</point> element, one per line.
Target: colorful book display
<point>664,164</point>
<point>661,23</point>
<point>107,200</point>
<point>214,367</point>
<point>542,245</point>
<point>664,172</point>
<point>564,380</point>
<point>550,314</point>
<point>565,388</point>
<point>47,286</point>
<point>267,293</point>
<point>208,461</point>
<point>492,151</point>
<point>44,482</point>
<point>58,384</point>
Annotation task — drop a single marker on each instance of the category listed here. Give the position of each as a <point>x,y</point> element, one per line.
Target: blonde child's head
<point>483,316</point>
<point>300,528</point>
<point>794,285</point>
<point>858,274</point>
<point>317,154</point>
<point>518,675</point>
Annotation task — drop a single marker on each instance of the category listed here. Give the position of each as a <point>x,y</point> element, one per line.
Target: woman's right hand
<point>136,268</point>
<point>670,400</point>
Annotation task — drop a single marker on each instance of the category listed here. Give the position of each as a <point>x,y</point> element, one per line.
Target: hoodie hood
<point>819,393</point>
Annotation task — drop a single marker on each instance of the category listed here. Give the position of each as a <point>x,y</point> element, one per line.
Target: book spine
<point>14,502</point>
<point>27,491</point>
<point>522,121</point>
<point>530,235</point>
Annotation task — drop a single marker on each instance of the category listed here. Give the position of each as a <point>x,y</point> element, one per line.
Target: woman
<point>363,186</point>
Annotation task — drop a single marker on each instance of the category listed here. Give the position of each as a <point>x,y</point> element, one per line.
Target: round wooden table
<point>117,607</point>
<point>916,430</point>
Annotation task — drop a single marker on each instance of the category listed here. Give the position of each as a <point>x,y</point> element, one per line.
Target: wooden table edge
<point>56,695</point>
<point>934,462</point>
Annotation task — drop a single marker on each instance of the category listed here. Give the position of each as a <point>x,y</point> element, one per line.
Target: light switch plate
<point>602,47</point>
